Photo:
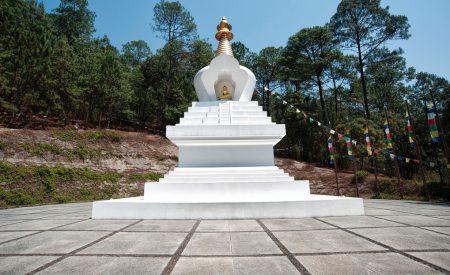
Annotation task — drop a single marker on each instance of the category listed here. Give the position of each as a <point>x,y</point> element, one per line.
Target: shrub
<point>439,191</point>
<point>151,176</point>
<point>361,175</point>
<point>386,186</point>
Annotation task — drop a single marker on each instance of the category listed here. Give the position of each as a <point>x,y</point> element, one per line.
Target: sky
<point>263,23</point>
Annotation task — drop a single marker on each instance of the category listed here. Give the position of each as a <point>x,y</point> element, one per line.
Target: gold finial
<point>224,35</point>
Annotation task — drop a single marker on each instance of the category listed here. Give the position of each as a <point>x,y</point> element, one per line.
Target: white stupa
<point>226,163</point>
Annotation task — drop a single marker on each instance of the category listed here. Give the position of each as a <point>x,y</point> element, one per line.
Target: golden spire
<point>224,36</point>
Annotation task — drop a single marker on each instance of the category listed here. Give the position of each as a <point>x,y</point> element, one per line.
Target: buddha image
<point>225,94</point>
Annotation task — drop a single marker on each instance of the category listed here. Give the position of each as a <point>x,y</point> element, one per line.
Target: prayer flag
<point>330,151</point>
<point>368,143</point>
<point>410,130</point>
<point>388,136</point>
<point>348,141</point>
<point>432,123</point>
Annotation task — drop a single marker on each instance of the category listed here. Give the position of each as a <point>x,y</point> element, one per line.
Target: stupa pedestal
<point>226,163</point>
<point>226,170</point>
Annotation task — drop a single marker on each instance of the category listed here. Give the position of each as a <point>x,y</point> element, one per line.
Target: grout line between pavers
<point>34,233</point>
<point>414,214</point>
<point>43,218</point>
<point>176,256</point>
<point>79,249</point>
<point>300,267</point>
<point>225,255</point>
<point>415,226</point>
<point>406,203</point>
<point>231,232</point>
<point>390,248</point>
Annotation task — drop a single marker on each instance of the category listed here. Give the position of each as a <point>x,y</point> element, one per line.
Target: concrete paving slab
<point>419,220</point>
<point>372,263</point>
<point>204,266</point>
<point>110,225</point>
<point>36,225</point>
<point>244,225</point>
<point>228,225</point>
<point>72,216</point>
<point>442,217</point>
<point>108,265</point>
<point>406,237</point>
<point>294,224</point>
<point>155,243</point>
<point>382,212</point>
<point>252,243</point>
<point>358,221</point>
<point>324,241</point>
<point>6,222</point>
<point>264,265</point>
<point>33,216</point>
<point>444,230</point>
<point>213,225</point>
<point>22,264</point>
<point>6,236</point>
<point>209,244</point>
<point>163,225</point>
<point>51,242</point>
<point>441,259</point>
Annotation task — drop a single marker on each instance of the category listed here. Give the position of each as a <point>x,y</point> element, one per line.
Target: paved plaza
<point>395,237</point>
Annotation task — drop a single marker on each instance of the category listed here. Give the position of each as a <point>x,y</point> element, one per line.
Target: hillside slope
<point>44,166</point>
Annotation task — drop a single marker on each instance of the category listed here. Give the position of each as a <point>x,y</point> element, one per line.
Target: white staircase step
<point>235,174</point>
<point>215,180</point>
<point>230,191</point>
<point>249,113</point>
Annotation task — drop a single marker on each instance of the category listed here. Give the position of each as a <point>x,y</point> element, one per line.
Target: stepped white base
<point>308,206</point>
<point>227,193</point>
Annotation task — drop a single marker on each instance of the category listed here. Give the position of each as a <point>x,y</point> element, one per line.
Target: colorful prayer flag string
<point>368,143</point>
<point>348,141</point>
<point>410,130</point>
<point>330,151</point>
<point>388,136</point>
<point>432,123</point>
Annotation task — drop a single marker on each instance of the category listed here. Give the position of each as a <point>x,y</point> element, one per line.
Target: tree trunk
<point>322,101</point>
<point>363,80</point>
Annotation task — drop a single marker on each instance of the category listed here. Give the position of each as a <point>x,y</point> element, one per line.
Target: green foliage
<point>386,186</point>
<point>439,191</point>
<point>86,137</point>
<point>173,21</point>
<point>40,149</point>
<point>22,185</point>
<point>74,20</point>
<point>365,26</point>
<point>135,52</point>
<point>140,177</point>
<point>361,175</point>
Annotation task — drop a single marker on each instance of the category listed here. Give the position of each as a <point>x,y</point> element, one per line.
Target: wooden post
<point>376,175</point>
<point>441,132</point>
<point>397,169</point>
<point>399,181</point>
<point>336,177</point>
<point>356,178</point>
<point>418,153</point>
